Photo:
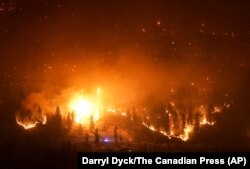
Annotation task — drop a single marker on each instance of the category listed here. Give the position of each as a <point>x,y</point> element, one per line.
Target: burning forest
<point>111,76</point>
<point>171,119</point>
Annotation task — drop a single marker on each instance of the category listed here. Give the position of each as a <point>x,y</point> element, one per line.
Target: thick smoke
<point>132,79</point>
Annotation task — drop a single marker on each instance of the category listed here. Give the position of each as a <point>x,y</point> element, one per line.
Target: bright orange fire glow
<point>82,109</point>
<point>185,136</point>
<point>85,107</point>
<point>204,121</point>
<point>29,124</point>
<point>188,129</point>
<point>217,109</point>
<point>152,128</point>
<point>88,107</point>
<point>44,120</point>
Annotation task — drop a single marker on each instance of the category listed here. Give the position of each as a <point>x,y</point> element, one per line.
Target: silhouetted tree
<point>183,121</point>
<point>72,116</point>
<point>175,121</point>
<point>210,112</point>
<point>53,126</point>
<point>56,122</point>
<point>58,117</point>
<point>28,114</point>
<point>69,121</point>
<point>91,124</point>
<point>116,133</point>
<point>197,122</point>
<point>96,136</point>
<point>39,111</point>
<point>86,137</point>
<point>190,115</point>
<point>166,119</point>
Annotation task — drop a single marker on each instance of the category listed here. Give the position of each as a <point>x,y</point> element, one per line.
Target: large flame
<point>185,136</point>
<point>29,124</point>
<point>188,129</point>
<point>204,121</point>
<point>85,107</point>
<point>82,109</point>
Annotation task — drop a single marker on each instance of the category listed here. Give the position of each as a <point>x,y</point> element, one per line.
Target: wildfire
<point>82,109</point>
<point>204,121</point>
<point>124,114</point>
<point>44,120</point>
<point>181,126</point>
<point>85,107</point>
<point>185,136</point>
<point>152,128</point>
<point>188,129</point>
<point>29,124</point>
<point>217,109</point>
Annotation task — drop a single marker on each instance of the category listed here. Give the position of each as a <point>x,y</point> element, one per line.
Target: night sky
<point>132,48</point>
